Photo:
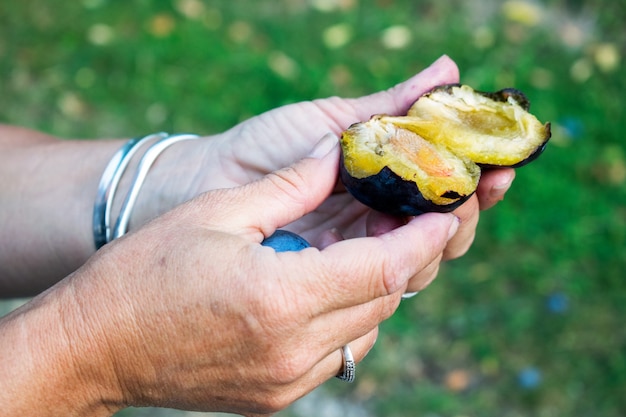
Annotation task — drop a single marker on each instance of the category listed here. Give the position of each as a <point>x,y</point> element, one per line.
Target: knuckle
<point>274,403</point>
<point>287,368</point>
<point>394,274</point>
<point>459,245</point>
<point>389,307</point>
<point>424,278</point>
<point>288,180</point>
<point>274,323</point>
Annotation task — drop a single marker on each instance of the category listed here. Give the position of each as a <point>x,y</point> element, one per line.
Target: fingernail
<point>324,146</point>
<point>454,227</point>
<point>499,189</point>
<point>443,57</point>
<point>408,295</point>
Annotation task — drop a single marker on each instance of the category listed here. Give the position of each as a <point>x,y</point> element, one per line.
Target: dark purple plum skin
<point>389,193</point>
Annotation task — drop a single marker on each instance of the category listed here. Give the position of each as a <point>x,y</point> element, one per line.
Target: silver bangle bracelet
<point>145,164</point>
<point>108,186</point>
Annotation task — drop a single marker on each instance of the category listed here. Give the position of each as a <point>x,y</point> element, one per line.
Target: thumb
<point>281,196</point>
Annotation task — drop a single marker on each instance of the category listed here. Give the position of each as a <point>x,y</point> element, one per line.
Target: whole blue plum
<point>285,241</point>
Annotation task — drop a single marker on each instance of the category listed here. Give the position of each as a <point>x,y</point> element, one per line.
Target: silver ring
<point>349,367</point>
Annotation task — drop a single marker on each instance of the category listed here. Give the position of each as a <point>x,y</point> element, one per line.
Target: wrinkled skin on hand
<point>218,322</point>
<point>192,312</point>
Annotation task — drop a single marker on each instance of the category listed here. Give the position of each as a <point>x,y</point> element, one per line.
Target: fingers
<point>493,185</point>
<point>289,389</point>
<point>333,363</point>
<point>468,215</point>
<point>356,271</point>
<point>425,277</point>
<point>397,100</point>
<point>491,189</point>
<point>378,223</point>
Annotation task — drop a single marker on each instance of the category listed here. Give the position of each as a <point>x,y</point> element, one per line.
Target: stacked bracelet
<point>111,177</point>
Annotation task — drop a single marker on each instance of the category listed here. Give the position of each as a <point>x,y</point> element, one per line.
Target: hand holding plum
<point>208,319</point>
<point>189,310</point>
<point>277,138</point>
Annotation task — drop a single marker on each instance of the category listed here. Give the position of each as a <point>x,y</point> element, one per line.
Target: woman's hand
<point>275,139</point>
<point>192,312</point>
<point>51,232</point>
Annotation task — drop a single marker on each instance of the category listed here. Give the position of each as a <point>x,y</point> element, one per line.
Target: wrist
<point>47,212</point>
<point>173,179</point>
<point>45,354</point>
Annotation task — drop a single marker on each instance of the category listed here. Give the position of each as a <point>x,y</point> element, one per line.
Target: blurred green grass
<point>530,322</point>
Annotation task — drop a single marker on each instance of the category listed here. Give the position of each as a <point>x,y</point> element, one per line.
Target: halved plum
<point>430,159</point>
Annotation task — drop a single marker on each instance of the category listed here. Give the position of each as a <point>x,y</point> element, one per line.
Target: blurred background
<point>531,320</point>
